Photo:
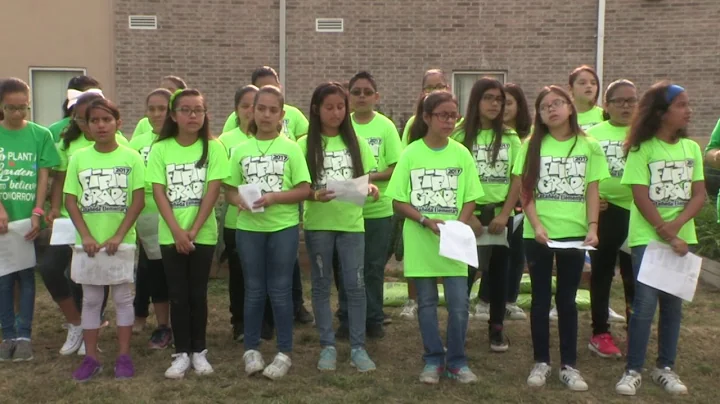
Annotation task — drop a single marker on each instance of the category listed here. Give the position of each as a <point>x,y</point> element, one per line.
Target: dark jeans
<point>515,269</point>
<point>612,233</point>
<point>569,271</point>
<point>150,284</point>
<point>17,325</point>
<point>187,280</point>
<point>396,240</point>
<point>377,243</point>
<point>268,261</point>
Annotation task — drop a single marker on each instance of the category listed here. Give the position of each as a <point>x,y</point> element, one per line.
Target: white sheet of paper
<point>624,248</point>
<point>63,232</point>
<point>103,269</point>
<point>492,239</point>
<point>517,219</point>
<point>16,252</point>
<point>569,245</point>
<point>354,191</point>
<point>147,231</point>
<point>662,269</point>
<point>457,241</point>
<point>249,194</point>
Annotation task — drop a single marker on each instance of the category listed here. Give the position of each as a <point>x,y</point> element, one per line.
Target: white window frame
<point>80,70</point>
<point>480,73</point>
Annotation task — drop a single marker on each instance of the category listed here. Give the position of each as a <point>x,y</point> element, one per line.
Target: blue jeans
<point>19,326</point>
<point>643,310</point>
<point>268,261</point>
<point>456,297</point>
<point>351,251</point>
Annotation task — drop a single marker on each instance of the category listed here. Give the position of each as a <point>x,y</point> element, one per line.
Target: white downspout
<point>281,51</point>
<point>600,56</point>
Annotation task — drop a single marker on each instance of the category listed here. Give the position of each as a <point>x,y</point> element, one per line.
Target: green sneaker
<point>359,359</point>
<point>6,350</point>
<point>328,359</point>
<point>23,351</point>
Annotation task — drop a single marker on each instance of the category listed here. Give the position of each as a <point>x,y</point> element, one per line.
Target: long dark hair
<point>585,68</point>
<point>531,169</point>
<point>9,86</point>
<point>170,127</point>
<point>611,88</point>
<point>239,94</point>
<point>523,121</point>
<point>425,107</point>
<point>315,153</point>
<point>73,131</point>
<point>647,120</point>
<point>105,105</point>
<point>252,126</point>
<point>473,124</point>
<point>79,83</point>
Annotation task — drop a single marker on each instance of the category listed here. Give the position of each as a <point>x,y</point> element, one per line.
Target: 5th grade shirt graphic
<point>562,178</point>
<point>671,182</point>
<point>185,184</point>
<point>489,172</point>
<point>265,171</point>
<point>104,190</point>
<point>434,191</point>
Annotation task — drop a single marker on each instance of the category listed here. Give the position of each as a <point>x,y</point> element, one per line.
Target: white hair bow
<point>74,95</point>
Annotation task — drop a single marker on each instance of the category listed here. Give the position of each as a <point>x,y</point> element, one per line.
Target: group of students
<point>635,176</point>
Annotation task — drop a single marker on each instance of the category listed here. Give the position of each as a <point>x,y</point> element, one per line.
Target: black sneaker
<point>343,332</point>
<point>267,332</point>
<point>375,331</point>
<point>238,332</point>
<point>302,316</point>
<point>387,319</point>
<point>498,341</point>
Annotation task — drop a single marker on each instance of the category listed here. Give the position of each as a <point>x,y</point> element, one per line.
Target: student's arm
<point>56,195</point>
<point>183,243</point>
<point>90,245</point>
<point>292,196</point>
<point>466,213</point>
<point>409,212</point>
<point>712,150</point>
<point>592,207</point>
<point>40,195</point>
<point>382,175</point>
<point>137,205</point>
<point>3,219</point>
<point>541,235</point>
<point>206,206</point>
<point>500,221</point>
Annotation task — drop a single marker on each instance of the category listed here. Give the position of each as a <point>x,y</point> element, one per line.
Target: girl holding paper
<point>335,153</point>
<point>104,196</point>
<point>27,153</point>
<point>560,169</point>
<point>436,180</point>
<point>268,241</point>
<point>665,170</point>
<point>186,167</point>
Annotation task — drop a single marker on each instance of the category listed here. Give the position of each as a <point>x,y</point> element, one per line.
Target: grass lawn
<point>398,357</point>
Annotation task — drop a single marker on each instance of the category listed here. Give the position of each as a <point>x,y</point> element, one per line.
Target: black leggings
<point>150,284</point>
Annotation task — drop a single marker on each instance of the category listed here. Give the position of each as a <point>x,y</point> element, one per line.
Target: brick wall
<point>215,44</point>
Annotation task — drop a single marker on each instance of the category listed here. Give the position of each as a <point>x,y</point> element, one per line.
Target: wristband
<point>315,195</point>
<point>422,221</point>
<point>38,212</point>
<point>589,223</point>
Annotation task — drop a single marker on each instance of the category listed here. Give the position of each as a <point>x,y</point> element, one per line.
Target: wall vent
<point>142,22</point>
<point>329,25</point>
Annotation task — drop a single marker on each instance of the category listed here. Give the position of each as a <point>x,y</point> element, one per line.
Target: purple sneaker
<point>124,368</point>
<point>88,368</point>
<point>161,338</point>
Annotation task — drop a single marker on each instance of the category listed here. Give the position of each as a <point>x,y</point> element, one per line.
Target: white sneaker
<point>613,317</point>
<point>279,367</point>
<point>571,377</point>
<point>253,362</point>
<point>482,311</point>
<point>553,314</point>
<point>201,364</point>
<point>538,375</point>
<point>73,341</point>
<point>629,383</point>
<point>669,380</point>
<point>514,312</point>
<point>180,365</point>
<point>409,309</point>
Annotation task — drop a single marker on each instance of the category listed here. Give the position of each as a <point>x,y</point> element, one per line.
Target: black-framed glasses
<point>15,108</point>
<point>439,87</point>
<point>621,102</point>
<point>185,111</point>
<point>489,98</point>
<point>446,116</point>
<point>553,105</point>
<point>368,92</point>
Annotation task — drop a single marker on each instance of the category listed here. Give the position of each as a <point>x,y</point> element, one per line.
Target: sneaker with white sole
<point>180,365</point>
<point>553,314</point>
<point>409,310</point>
<point>279,367</point>
<point>463,375</point>
<point>613,317</point>
<point>629,383</point>
<point>669,380</point>
<point>73,341</point>
<point>253,362</point>
<point>482,311</point>
<point>201,364</point>
<point>572,378</point>
<point>514,312</point>
<point>431,374</point>
<point>539,374</point>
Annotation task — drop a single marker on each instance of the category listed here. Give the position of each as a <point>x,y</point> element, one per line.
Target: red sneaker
<point>604,346</point>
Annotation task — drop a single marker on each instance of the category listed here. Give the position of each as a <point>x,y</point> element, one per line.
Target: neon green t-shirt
<point>494,177</point>
<point>337,166</point>
<point>103,184</point>
<point>295,125</point>
<point>142,143</point>
<point>22,153</point>
<point>611,139</point>
<point>566,169</point>
<point>382,136</point>
<point>590,118</point>
<point>172,165</point>
<point>143,126</point>
<point>232,140</point>
<point>669,171</point>
<point>276,165</point>
<point>58,127</point>
<point>714,138</point>
<point>78,144</point>
<point>437,183</point>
